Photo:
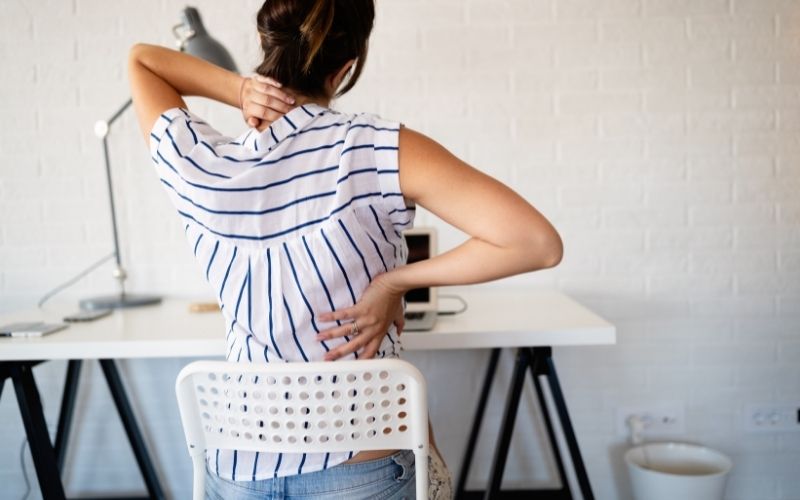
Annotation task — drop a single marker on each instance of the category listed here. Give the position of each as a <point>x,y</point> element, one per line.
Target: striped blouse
<point>285,224</point>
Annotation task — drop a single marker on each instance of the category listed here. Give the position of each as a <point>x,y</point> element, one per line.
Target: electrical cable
<point>24,469</point>
<point>74,279</point>
<point>457,311</point>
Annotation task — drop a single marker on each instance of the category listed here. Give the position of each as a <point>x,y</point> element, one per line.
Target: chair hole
<point>401,401</point>
<point>355,435</point>
<point>369,405</point>
<point>403,428</point>
<point>302,380</point>
<point>323,438</point>
<point>215,391</point>
<point>275,424</point>
<point>290,425</point>
<point>243,408</point>
<point>256,394</point>
<point>319,395</point>
<point>337,409</point>
<point>371,433</point>
<point>353,421</point>
<point>387,430</point>
<point>305,410</point>
<point>231,420</point>
<point>286,380</point>
<point>226,377</point>
<point>320,410</point>
<point>401,387</point>
<point>292,439</point>
<point>241,393</point>
<point>336,394</point>
<point>370,419</point>
<point>234,433</point>
<point>322,424</point>
<point>304,396</point>
<point>259,423</point>
<point>207,428</point>
<point>212,376</point>
<point>203,402</point>
<point>307,439</point>
<point>289,410</point>
<point>287,395</point>
<point>367,376</point>
<point>352,393</point>
<point>248,436</point>
<point>339,437</point>
<point>384,389</point>
<point>201,388</point>
<point>271,380</point>
<point>276,438</point>
<point>318,379</point>
<point>383,374</point>
<point>334,379</point>
<point>386,417</point>
<point>402,414</point>
<point>262,437</point>
<point>351,377</point>
<point>353,407</point>
<point>385,403</point>
<point>338,423</point>
<point>368,391</point>
<point>246,422</point>
<point>272,396</point>
<point>206,415</point>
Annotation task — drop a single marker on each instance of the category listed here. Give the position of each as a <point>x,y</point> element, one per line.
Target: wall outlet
<point>658,419</point>
<point>772,417</point>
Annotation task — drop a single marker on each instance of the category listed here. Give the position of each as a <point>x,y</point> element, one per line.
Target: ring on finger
<point>354,328</point>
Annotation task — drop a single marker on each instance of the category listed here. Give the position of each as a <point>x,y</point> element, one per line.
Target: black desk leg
<point>507,426</point>
<point>545,353</point>
<point>30,407</point>
<point>488,378</point>
<point>67,410</point>
<point>538,367</point>
<point>129,422</point>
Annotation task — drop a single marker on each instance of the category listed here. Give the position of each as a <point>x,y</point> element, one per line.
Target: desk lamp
<point>192,38</point>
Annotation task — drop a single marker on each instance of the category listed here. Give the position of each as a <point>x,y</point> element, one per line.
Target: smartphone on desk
<point>30,329</point>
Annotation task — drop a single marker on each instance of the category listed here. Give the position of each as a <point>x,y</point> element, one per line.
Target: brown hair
<point>306,41</point>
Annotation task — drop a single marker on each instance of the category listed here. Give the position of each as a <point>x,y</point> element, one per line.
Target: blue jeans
<point>388,478</point>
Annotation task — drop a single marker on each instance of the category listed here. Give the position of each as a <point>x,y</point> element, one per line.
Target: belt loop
<point>405,459</point>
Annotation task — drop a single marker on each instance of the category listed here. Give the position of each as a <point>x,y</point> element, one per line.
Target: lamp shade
<point>200,44</point>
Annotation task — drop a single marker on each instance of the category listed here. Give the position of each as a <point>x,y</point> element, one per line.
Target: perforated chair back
<point>315,407</point>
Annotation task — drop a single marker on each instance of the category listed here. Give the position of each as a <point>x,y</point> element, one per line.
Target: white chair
<point>349,406</point>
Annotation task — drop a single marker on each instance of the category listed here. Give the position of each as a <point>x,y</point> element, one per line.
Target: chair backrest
<point>304,408</point>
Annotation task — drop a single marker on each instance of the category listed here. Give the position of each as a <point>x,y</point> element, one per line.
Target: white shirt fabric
<point>285,224</point>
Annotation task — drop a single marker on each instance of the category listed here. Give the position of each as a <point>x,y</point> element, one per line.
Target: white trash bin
<point>670,471</point>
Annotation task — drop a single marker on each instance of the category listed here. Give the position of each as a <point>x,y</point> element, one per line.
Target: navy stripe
<point>286,117</point>
<point>196,243</point>
<point>407,209</point>
<point>247,344</point>
<point>249,298</point>
<point>302,294</point>
<point>169,120</point>
<point>227,272</point>
<point>294,331</point>
<point>269,295</point>
<point>254,188</point>
<point>378,223</point>
<point>211,260</point>
<point>285,231</point>
<point>208,172</point>
<point>388,171</point>
<point>341,267</point>
<point>278,464</point>
<point>189,126</point>
<point>217,468</point>
<point>386,148</point>
<point>355,247</point>
<point>154,136</point>
<point>298,153</point>
<point>227,157</point>
<point>302,461</point>
<point>248,212</point>
<point>378,251</point>
<point>244,141</point>
<point>325,463</point>
<point>325,288</point>
<point>255,466</point>
<point>272,132</point>
<point>266,354</point>
<point>309,113</point>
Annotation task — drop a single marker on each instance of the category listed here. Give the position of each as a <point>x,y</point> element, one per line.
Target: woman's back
<point>286,224</point>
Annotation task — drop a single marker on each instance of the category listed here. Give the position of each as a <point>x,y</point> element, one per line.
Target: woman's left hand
<point>379,307</point>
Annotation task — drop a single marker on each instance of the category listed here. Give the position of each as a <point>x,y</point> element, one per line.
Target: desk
<point>530,322</point>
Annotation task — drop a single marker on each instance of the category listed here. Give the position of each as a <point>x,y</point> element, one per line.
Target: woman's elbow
<point>548,250</point>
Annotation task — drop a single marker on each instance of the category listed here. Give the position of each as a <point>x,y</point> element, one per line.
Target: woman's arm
<point>508,236</point>
<point>160,77</point>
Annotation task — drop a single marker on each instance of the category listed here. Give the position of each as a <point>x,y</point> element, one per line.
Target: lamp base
<point>118,301</point>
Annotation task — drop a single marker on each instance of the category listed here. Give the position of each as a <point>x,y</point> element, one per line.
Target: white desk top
<point>495,318</point>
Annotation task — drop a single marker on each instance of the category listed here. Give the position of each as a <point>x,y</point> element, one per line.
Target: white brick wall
<point>659,136</point>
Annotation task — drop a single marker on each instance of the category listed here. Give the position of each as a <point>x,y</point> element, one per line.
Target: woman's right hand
<point>263,101</point>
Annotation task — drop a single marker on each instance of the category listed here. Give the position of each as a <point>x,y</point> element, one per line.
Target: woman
<point>297,223</point>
